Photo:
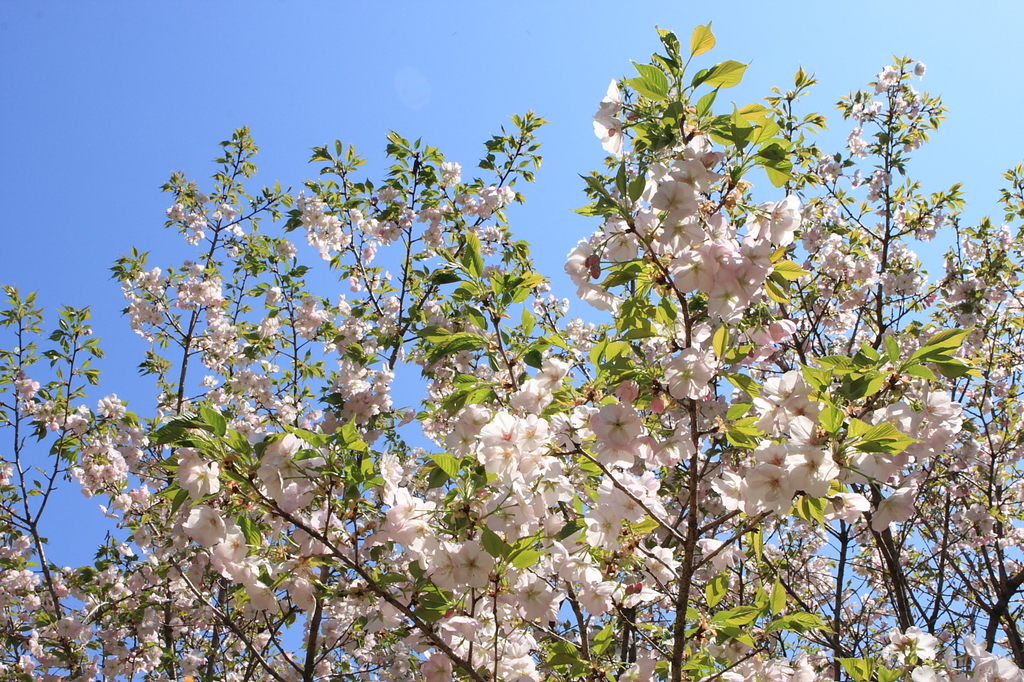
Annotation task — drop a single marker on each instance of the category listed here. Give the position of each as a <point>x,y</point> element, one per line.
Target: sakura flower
<point>617,425</point>
<point>231,550</point>
<point>472,566</point>
<point>205,526</point>
<point>609,131</point>
<point>724,558</point>
<point>913,641</point>
<point>768,488</point>
<point>606,124</point>
<point>603,528</point>
<point>779,221</point>
<point>536,599</point>
<point>847,506</point>
<point>436,668</point>
<point>689,374</point>
<point>197,477</point>
<point>678,199</point>
<point>896,508</point>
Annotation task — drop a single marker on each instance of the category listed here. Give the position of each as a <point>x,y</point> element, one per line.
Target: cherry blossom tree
<point>787,454</point>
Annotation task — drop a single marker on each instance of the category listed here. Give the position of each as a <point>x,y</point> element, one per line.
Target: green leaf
<point>744,383</point>
<point>179,499</point>
<point>766,130</point>
<point>652,82</point>
<point>738,410</point>
<point>777,599</point>
<point>859,669</point>
<point>454,343</point>
<point>725,74</point>
<point>811,509</point>
<point>738,616</point>
<point>573,526</point>
<point>779,175</point>
<point>563,653</point>
<point>797,622</point>
<point>445,277</point>
<point>789,270</point>
<point>252,534</point>
<point>644,527</point>
<point>534,358</point>
<point>471,259</point>
<point>774,291</point>
<point>954,369</point>
<point>494,545</point>
<point>701,40</point>
<point>705,102</point>
<point>754,113</point>
<point>526,558</point>
<point>744,434</point>
<point>884,438</point>
<point>720,341</point>
<point>920,371</point>
<point>603,639</point>
<point>447,464</point>
<point>527,321</point>
<point>755,540</point>
<point>214,418</point>
<point>831,419</point>
<point>948,338</point>
<point>892,349</point>
<point>432,604</point>
<point>716,589</point>
<point>886,675</point>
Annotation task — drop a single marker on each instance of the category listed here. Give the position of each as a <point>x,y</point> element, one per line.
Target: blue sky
<point>101,101</point>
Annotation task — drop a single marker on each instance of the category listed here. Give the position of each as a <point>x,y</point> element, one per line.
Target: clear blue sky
<point>101,101</point>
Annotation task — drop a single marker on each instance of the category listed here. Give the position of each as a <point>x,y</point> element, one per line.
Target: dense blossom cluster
<point>789,456</point>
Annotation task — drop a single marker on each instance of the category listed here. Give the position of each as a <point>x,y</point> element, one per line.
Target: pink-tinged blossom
<point>536,599</point>
<point>578,263</point>
<point>597,598</point>
<point>603,528</point>
<point>677,199</point>
<point>110,407</point>
<point>896,508</point>
<point>768,488</point>
<point>616,425</point>
<point>732,488</point>
<point>473,566</point>
<point>913,641</point>
<point>692,271</point>
<point>782,399</point>
<point>609,131</point>
<point>205,526</point>
<point>812,469</point>
<point>289,482</point>
<point>661,563</point>
<point>777,221</point>
<point>599,298</point>
<point>620,245</point>
<point>695,173</point>
<point>199,478</point>
<point>436,668</point>
<point>552,372</point>
<point>725,558</point>
<point>991,668</point>
<point>230,551</point>
<point>847,507</point>
<point>689,374</point>
<point>451,173</point>
<point>607,126</point>
<point>627,391</point>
